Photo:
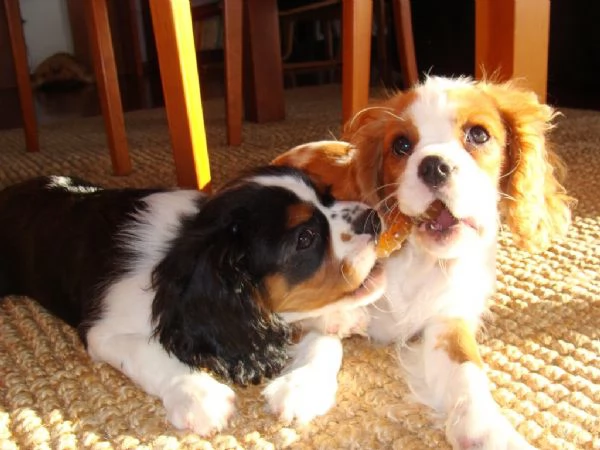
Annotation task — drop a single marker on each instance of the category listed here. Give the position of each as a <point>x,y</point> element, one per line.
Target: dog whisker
<point>367,109</point>
<point>514,167</point>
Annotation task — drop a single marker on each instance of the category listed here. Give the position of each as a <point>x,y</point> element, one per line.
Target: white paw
<point>477,425</point>
<point>199,403</point>
<point>301,395</point>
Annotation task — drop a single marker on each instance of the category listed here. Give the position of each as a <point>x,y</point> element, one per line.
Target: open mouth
<point>442,222</point>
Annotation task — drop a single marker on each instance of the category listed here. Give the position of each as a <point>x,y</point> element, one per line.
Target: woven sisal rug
<point>541,344</point>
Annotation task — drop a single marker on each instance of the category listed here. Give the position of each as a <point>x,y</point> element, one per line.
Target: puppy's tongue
<point>445,219</point>
<point>439,217</point>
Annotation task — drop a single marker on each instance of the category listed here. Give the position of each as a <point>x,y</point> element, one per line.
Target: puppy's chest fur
<point>422,287</point>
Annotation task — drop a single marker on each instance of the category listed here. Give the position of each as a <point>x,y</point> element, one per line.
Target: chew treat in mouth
<point>433,211</point>
<point>437,217</point>
<point>393,237</point>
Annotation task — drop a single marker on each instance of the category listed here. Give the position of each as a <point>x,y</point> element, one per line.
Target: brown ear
<point>534,202</point>
<point>332,165</point>
<point>351,168</point>
<point>367,131</point>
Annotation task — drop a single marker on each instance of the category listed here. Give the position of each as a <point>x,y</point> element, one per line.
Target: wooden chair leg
<point>17,41</point>
<point>108,85</point>
<point>172,23</point>
<point>264,79</point>
<point>380,14</point>
<point>356,55</point>
<point>511,40</point>
<point>135,39</point>
<point>232,14</point>
<point>405,42</point>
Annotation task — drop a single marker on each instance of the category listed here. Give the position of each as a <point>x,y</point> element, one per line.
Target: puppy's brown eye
<point>477,135</point>
<point>305,239</point>
<point>402,146</point>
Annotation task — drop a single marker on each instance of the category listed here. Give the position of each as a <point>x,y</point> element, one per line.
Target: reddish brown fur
<point>459,343</point>
<point>473,109</point>
<point>340,174</point>
<point>299,213</point>
<point>535,205</point>
<point>325,287</point>
<point>372,131</point>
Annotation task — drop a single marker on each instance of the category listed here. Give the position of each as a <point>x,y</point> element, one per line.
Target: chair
<point>357,16</point>
<point>231,10</point>
<point>327,10</point>
<point>172,24</point>
<point>511,40</point>
<point>17,41</point>
<point>323,12</point>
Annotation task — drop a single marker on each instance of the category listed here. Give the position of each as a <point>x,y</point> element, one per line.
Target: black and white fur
<point>169,285</point>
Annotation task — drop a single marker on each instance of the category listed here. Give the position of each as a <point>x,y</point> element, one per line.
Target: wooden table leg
<point>172,24</point>
<point>356,55</point>
<point>17,41</point>
<point>263,85</point>
<point>232,13</point>
<point>108,85</point>
<point>512,39</point>
<point>405,42</point>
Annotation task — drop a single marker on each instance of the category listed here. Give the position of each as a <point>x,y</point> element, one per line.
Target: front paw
<point>198,402</point>
<point>301,395</point>
<point>481,426</point>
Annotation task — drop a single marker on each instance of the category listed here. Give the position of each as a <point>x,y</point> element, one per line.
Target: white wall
<point>47,30</point>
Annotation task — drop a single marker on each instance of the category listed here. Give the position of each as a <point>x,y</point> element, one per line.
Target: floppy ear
<point>367,126</point>
<point>350,168</point>
<point>535,204</point>
<point>366,131</point>
<point>207,309</point>
<point>331,165</point>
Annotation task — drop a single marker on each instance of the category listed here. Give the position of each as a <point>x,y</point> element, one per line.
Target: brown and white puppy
<point>480,149</point>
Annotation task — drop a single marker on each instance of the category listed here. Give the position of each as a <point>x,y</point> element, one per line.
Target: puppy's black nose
<point>434,171</point>
<point>367,222</point>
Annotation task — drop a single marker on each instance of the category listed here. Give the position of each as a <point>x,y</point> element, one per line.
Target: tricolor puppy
<point>479,149</point>
<point>172,287</point>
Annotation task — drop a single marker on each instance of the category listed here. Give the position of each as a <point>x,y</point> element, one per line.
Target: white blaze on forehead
<point>341,212</point>
<point>290,183</point>
<point>432,115</point>
<point>433,112</point>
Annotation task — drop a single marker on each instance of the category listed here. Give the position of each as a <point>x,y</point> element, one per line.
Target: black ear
<point>207,309</point>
